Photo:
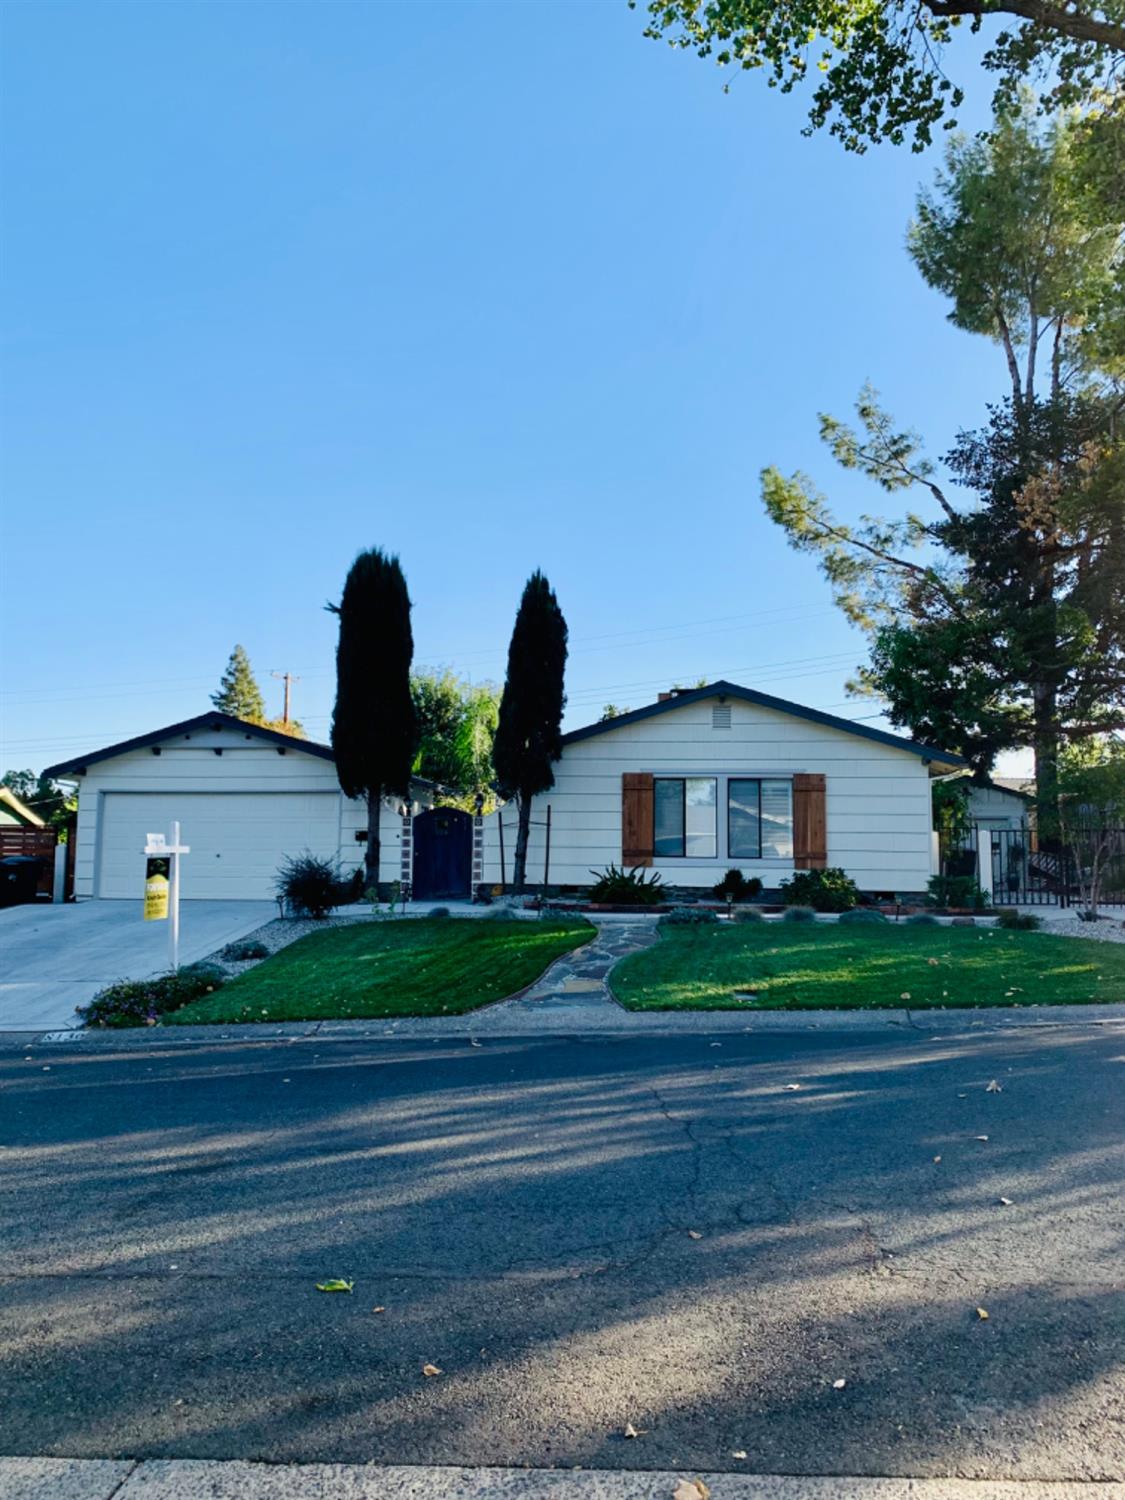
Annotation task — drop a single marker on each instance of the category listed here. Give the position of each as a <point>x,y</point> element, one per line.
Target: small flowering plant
<point>141,1002</point>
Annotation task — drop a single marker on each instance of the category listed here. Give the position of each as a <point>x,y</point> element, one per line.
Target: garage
<point>237,840</point>
<point>245,797</point>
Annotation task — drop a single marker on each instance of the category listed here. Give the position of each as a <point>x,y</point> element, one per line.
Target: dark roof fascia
<point>928,753</point>
<point>78,764</point>
<point>215,720</point>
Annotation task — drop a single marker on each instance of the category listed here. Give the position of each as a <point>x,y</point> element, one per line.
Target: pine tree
<point>529,732</point>
<point>239,693</point>
<point>374,724</point>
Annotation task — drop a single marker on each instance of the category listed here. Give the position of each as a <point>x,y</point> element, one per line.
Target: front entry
<point>443,855</point>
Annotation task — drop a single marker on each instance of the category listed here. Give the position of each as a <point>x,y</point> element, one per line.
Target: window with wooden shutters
<point>636,819</point>
<point>810,822</point>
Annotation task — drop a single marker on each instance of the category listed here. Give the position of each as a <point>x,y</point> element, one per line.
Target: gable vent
<point>720,716</point>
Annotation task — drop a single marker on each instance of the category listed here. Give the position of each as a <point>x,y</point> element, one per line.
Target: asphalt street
<point>767,1253</point>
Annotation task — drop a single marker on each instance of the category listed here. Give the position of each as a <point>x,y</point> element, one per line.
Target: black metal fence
<point>1024,873</point>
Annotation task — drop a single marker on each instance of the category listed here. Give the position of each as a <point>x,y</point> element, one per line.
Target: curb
<point>209,1479</point>
<point>632,1025</point>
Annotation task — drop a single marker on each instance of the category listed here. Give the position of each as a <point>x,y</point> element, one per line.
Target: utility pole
<point>288,678</point>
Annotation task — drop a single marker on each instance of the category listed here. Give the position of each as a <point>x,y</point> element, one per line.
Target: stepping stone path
<point>575,985</point>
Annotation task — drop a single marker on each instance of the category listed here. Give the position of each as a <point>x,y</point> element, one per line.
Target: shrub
<point>1019,921</point>
<point>746,914</point>
<point>863,914</point>
<point>823,890</point>
<point>141,1002</point>
<point>923,919</point>
<point>798,914</point>
<point>242,952</point>
<point>308,885</point>
<point>686,916</point>
<point>438,911</point>
<point>735,886</point>
<point>614,887</point>
<point>956,890</point>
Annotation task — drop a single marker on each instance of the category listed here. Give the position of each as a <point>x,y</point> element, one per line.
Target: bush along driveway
<point>418,967</point>
<point>830,967</point>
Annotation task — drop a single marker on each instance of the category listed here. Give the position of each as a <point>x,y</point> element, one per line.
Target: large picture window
<point>759,818</point>
<point>685,817</point>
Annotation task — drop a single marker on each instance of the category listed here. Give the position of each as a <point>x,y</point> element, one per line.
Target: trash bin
<point>19,879</point>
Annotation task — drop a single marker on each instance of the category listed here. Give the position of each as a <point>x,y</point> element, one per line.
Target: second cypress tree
<point>529,732</point>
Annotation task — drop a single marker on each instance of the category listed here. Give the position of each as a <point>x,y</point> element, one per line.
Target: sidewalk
<point>198,1479</point>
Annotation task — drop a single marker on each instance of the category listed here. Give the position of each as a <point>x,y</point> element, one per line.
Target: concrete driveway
<point>53,958</point>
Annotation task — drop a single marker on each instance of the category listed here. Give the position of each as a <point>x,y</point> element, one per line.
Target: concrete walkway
<point>180,1479</point>
<point>53,958</point>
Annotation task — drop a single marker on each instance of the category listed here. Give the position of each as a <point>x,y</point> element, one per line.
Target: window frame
<point>763,864</point>
<point>683,777</point>
<point>757,780</point>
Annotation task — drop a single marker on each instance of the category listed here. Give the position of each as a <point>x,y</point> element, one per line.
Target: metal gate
<point>1026,874</point>
<point>443,855</point>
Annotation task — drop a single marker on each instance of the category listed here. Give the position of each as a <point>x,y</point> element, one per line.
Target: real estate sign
<point>158,873</point>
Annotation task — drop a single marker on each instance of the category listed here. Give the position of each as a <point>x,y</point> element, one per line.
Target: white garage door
<point>237,839</point>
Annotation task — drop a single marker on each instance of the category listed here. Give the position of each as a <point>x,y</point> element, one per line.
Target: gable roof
<point>214,720</point>
<point>20,810</point>
<point>723,689</point>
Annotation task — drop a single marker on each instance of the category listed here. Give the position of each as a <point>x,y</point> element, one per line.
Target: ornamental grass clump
<point>798,914</point>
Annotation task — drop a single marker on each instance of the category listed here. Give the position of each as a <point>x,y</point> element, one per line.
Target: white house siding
<point>240,811</point>
<point>877,797</point>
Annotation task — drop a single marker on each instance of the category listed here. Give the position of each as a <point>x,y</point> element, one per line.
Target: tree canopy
<point>456,726</point>
<point>997,612</point>
<point>878,67</point>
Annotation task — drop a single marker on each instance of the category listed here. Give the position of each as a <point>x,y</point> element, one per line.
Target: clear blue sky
<point>495,286</point>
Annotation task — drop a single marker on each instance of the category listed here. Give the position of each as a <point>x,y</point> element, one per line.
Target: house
<point>1000,803</point>
<point>245,797</point>
<point>722,776</point>
<point>17,814</point>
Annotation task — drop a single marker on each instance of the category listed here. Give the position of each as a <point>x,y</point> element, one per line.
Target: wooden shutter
<point>636,818</point>
<point>810,822</point>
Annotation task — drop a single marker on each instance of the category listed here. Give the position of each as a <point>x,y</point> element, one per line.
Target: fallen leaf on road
<point>792,1086</point>
<point>838,1385</point>
<point>378,1309</point>
<point>982,1314</point>
<point>739,1453</point>
<point>691,1489</point>
<point>937,1158</point>
<point>980,1138</point>
<point>994,1087</point>
<point>431,1370</point>
<point>1007,1202</point>
<point>335,1286</point>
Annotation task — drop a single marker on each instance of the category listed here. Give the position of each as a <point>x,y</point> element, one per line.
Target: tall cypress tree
<point>374,724</point>
<point>529,733</point>
<point>239,693</point>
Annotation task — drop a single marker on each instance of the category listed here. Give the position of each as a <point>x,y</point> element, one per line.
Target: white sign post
<point>161,848</point>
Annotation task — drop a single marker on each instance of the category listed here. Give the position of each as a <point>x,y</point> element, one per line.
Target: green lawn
<point>865,968</point>
<point>411,967</point>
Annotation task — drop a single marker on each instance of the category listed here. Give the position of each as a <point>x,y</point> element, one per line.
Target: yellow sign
<point>156,890</point>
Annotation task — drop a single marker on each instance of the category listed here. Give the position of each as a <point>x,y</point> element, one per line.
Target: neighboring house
<point>245,796</point>
<point>723,776</point>
<point>17,814</point>
<point>1000,804</point>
